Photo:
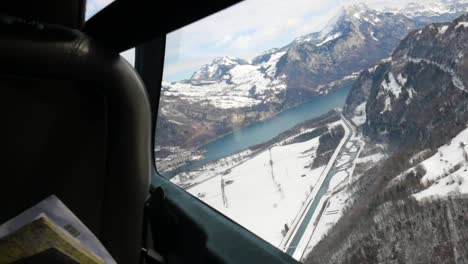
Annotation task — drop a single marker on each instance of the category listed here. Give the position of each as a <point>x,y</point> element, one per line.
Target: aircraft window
<point>129,55</point>
<point>325,127</point>
<point>94,6</point>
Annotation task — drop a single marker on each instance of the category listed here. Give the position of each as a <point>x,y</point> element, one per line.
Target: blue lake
<point>263,131</point>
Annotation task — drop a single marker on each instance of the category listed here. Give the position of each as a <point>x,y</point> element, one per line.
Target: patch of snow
<point>411,93</point>
<point>462,24</point>
<point>359,117</point>
<point>371,158</point>
<point>431,8</point>
<point>446,171</point>
<point>270,65</point>
<point>232,92</point>
<point>329,38</point>
<point>452,185</point>
<point>393,85</point>
<point>387,106</point>
<point>342,160</point>
<point>442,29</point>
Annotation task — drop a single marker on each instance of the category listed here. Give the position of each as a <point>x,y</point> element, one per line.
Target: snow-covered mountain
<point>217,69</point>
<point>229,92</point>
<point>415,104</point>
<point>432,8</point>
<point>358,37</point>
<point>428,64</point>
<point>306,64</point>
<point>229,82</point>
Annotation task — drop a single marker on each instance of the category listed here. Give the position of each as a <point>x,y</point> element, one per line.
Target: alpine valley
<point>231,93</point>
<point>384,179</point>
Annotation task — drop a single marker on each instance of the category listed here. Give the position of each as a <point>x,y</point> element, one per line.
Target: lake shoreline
<point>267,129</point>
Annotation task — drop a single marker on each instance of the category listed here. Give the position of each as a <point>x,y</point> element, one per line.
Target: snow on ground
<point>333,211</point>
<point>454,184</point>
<point>342,160</point>
<point>371,158</point>
<point>338,178</point>
<point>462,24</point>
<point>329,38</point>
<point>270,65</point>
<point>235,88</point>
<point>302,246</point>
<point>442,29</point>
<point>359,117</point>
<point>266,191</point>
<point>446,171</point>
<point>393,85</point>
<point>210,170</point>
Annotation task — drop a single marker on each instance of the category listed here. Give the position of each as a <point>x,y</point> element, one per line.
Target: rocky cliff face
<point>359,38</point>
<point>423,81</point>
<point>416,103</point>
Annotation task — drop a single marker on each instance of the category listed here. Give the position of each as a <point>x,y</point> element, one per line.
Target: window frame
<point>212,237</point>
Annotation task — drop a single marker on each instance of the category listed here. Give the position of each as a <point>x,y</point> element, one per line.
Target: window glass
<point>94,6</point>
<point>334,130</point>
<point>129,55</point>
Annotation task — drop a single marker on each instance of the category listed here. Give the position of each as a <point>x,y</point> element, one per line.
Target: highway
<point>302,230</point>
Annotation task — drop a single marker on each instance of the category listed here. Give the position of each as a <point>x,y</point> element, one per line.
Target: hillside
<point>412,207</point>
<point>231,93</point>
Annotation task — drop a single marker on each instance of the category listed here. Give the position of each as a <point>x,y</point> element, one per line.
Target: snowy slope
<point>432,8</point>
<point>263,192</point>
<point>446,171</point>
<point>226,83</point>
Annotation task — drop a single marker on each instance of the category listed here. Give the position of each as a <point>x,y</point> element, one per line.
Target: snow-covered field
<point>263,192</point>
<point>446,171</point>
<point>332,212</point>
<point>333,204</point>
<point>360,114</point>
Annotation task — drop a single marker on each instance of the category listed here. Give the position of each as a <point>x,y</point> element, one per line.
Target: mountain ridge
<point>230,93</point>
<point>414,104</point>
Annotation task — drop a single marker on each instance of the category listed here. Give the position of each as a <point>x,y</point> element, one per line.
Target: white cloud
<point>251,27</point>
<point>244,30</point>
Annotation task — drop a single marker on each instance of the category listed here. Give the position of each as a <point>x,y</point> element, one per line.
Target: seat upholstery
<point>68,13</point>
<point>75,122</point>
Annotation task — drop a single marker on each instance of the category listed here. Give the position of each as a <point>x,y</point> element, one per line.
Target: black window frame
<point>201,231</point>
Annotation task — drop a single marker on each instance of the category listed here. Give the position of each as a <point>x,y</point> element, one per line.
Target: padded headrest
<point>68,13</point>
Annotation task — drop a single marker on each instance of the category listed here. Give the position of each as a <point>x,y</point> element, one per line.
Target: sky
<point>244,30</point>
<point>249,28</point>
<point>94,6</point>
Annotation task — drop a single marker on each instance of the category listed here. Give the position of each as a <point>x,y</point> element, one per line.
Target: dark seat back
<point>75,122</point>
